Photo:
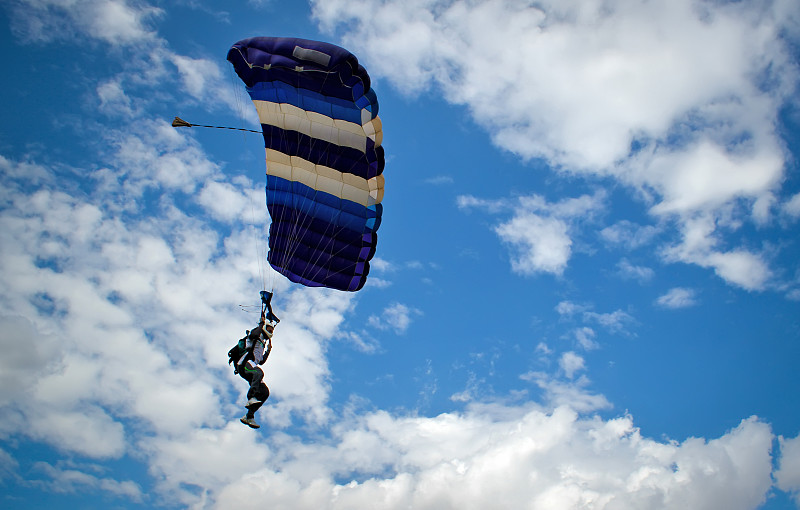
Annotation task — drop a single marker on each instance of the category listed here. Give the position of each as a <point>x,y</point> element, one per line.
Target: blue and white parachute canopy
<point>323,137</point>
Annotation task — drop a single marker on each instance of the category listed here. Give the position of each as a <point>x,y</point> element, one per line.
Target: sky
<point>586,292</point>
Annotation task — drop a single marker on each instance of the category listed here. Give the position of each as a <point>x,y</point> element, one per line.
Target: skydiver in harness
<point>258,345</point>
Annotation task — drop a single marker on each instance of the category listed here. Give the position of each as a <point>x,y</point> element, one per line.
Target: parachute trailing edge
<point>323,144</point>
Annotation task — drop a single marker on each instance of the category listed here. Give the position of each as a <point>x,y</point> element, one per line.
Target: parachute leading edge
<point>322,135</point>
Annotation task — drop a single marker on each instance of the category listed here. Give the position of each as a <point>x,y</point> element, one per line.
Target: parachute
<point>322,135</point>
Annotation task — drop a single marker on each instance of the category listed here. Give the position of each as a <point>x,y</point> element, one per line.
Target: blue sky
<point>586,292</point>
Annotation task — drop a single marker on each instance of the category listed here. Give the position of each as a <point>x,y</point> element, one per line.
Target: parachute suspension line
<point>300,211</point>
<point>259,239</point>
<point>328,250</point>
<point>330,244</point>
<point>280,219</point>
<point>260,245</point>
<point>312,273</point>
<point>238,99</point>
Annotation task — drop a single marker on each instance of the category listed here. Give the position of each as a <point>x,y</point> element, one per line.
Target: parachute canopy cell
<point>322,135</point>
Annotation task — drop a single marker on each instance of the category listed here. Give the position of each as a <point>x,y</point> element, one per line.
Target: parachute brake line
<point>179,122</point>
<point>266,307</point>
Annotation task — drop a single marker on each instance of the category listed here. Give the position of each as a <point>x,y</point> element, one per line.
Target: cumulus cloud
<point>396,316</point>
<point>678,297</point>
<point>788,475</point>
<point>701,246</point>
<point>228,201</point>
<point>605,89</point>
<point>538,233</point>
<point>538,244</point>
<point>571,363</point>
<point>792,206</point>
<point>117,22</point>
<point>489,454</point>
<point>113,100</point>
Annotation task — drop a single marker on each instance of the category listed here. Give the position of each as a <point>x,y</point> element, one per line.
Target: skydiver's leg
<point>256,378</point>
<point>261,394</point>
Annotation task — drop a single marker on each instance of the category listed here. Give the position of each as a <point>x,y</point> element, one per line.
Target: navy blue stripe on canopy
<point>333,107</point>
<point>320,152</point>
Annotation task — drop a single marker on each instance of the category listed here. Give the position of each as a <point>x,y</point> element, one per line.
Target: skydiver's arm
<point>267,351</point>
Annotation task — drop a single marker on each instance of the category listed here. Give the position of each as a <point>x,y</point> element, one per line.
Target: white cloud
<point>586,338</point>
<point>113,100</point>
<point>788,475</point>
<point>21,355</point>
<point>195,73</point>
<point>492,206</point>
<point>440,180</point>
<point>571,394</point>
<point>538,234</point>
<point>613,321</point>
<point>538,244</point>
<point>381,265</point>
<point>226,201</point>
<point>568,308</point>
<point>706,177</point>
<point>699,245</point>
<point>678,297</point>
<point>596,77</point>
<point>627,270</point>
<point>571,363</point>
<point>606,89</point>
<point>8,465</point>
<point>490,454</point>
<point>792,206</point>
<point>113,21</point>
<point>152,156</point>
<point>70,480</point>
<point>147,58</point>
<point>628,234</point>
<point>396,316</point>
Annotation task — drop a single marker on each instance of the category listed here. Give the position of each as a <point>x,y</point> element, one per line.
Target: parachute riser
<point>266,307</point>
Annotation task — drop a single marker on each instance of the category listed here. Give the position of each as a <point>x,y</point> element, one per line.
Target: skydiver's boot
<point>250,421</point>
<point>253,401</point>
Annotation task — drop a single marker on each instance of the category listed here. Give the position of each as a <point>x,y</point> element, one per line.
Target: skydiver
<point>258,345</point>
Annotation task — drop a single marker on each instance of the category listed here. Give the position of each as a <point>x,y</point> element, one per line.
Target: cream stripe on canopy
<point>350,187</point>
<point>316,125</point>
